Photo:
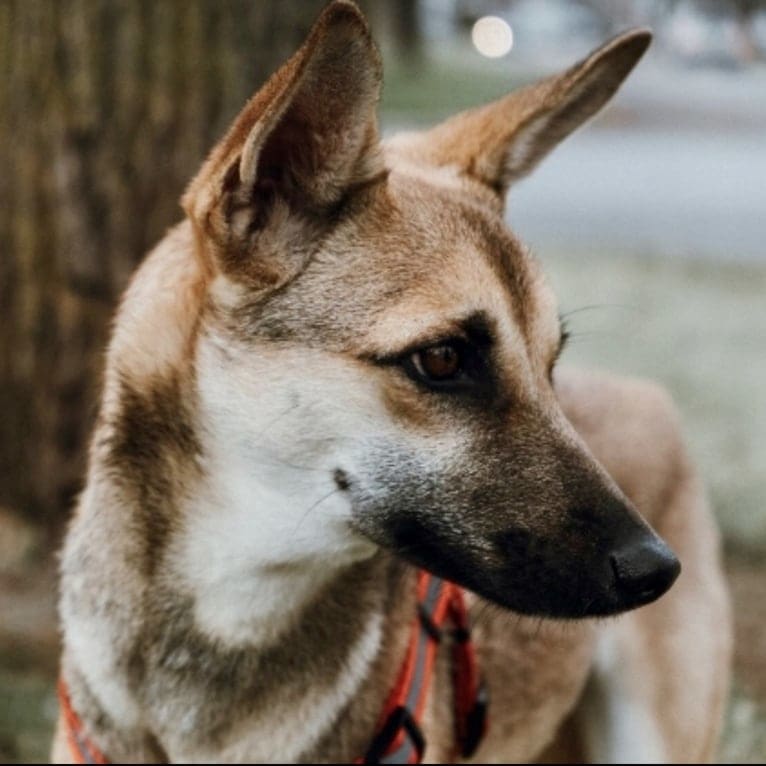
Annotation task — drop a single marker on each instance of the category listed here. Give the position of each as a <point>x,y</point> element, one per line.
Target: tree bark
<point>106,109</point>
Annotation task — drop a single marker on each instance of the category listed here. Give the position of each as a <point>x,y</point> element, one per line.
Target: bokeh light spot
<point>492,36</point>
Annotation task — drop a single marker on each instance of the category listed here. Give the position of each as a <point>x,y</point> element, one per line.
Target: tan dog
<point>342,365</point>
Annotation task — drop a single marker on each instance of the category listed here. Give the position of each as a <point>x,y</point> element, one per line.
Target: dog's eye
<point>437,363</point>
<point>453,365</point>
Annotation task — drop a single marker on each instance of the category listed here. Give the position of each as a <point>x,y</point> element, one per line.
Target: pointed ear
<point>300,144</point>
<point>504,141</point>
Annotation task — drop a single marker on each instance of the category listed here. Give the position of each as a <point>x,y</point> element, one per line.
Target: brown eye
<point>451,366</point>
<point>438,363</point>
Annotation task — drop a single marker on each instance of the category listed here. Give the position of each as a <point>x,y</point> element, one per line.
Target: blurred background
<point>651,224</point>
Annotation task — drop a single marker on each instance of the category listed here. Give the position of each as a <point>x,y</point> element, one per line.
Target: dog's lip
<point>498,591</point>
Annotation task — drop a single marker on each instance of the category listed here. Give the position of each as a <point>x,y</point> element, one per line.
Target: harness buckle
<point>399,720</point>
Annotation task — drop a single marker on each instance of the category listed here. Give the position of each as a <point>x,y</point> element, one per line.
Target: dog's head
<point>375,333</point>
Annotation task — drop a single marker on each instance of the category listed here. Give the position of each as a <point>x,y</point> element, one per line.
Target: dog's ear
<point>306,139</point>
<point>503,141</point>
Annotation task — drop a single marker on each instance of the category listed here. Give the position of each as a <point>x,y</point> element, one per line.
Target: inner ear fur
<point>301,143</point>
<point>503,141</point>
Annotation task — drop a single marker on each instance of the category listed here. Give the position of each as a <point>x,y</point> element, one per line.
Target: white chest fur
<point>269,527</point>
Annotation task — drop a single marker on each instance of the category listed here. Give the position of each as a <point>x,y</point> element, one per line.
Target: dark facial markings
<point>456,362</point>
<point>154,448</point>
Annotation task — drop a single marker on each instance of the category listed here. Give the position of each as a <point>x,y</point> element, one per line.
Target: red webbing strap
<point>80,747</point>
<point>470,695</point>
<point>399,739</point>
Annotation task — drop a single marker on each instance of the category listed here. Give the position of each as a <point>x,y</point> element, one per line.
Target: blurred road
<point>674,192</point>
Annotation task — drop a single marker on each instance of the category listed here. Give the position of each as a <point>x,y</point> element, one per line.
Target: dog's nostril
<point>644,569</point>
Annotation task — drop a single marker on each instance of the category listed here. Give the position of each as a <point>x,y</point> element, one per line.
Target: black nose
<point>644,569</point>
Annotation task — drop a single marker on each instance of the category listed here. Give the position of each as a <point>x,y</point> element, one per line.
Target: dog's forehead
<point>420,250</point>
<point>448,255</point>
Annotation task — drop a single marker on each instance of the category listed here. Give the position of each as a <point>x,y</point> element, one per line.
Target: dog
<point>337,375</point>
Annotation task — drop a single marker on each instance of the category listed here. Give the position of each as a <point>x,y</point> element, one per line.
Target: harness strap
<point>81,747</point>
<point>471,697</point>
<point>399,739</point>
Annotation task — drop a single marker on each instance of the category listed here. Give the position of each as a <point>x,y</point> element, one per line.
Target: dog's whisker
<point>587,606</point>
<point>305,515</point>
<point>599,306</point>
<point>484,609</point>
<point>271,423</point>
<point>277,462</point>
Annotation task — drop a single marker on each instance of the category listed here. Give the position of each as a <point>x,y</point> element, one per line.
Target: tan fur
<point>502,142</point>
<point>258,354</point>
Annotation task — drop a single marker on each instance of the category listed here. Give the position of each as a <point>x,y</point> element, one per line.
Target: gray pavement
<point>677,166</point>
<point>677,192</point>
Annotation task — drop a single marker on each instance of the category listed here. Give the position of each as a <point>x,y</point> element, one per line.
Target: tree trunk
<point>407,29</point>
<point>106,109</point>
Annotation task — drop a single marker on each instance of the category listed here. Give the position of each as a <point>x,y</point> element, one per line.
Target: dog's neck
<point>285,693</point>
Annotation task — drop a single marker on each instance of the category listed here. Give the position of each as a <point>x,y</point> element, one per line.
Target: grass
<point>700,329</point>
<point>744,739</point>
<point>27,714</point>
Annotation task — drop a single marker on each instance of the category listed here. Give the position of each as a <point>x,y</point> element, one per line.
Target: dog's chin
<point>534,596</point>
<point>568,590</point>
<point>562,605</point>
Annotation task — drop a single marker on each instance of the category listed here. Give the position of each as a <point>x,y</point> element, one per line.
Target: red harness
<point>81,747</point>
<point>399,738</point>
